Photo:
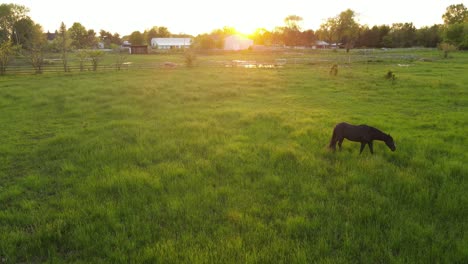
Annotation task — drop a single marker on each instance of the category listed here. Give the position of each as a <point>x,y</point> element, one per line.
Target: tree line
<point>345,31</point>
<point>19,34</point>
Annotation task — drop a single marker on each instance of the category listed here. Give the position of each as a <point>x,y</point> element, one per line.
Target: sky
<point>203,16</point>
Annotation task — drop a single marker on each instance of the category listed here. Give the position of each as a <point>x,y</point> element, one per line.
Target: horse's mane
<point>379,134</point>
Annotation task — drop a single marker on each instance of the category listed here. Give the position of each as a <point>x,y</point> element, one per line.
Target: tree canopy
<point>455,14</point>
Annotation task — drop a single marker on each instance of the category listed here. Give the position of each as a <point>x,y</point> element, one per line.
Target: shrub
<point>334,70</point>
<point>390,76</point>
<point>447,48</point>
<point>190,57</point>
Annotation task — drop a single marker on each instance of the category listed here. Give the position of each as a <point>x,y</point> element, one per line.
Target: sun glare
<point>245,29</point>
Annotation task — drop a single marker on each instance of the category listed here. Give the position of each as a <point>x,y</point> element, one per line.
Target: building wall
<point>138,49</point>
<point>235,42</point>
<point>171,43</point>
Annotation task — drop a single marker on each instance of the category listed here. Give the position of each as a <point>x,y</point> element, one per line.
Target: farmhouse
<point>236,42</point>
<point>171,43</point>
<point>320,44</point>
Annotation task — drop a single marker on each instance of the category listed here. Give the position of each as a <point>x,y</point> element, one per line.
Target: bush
<point>390,76</point>
<point>190,57</point>
<point>334,70</point>
<point>447,48</point>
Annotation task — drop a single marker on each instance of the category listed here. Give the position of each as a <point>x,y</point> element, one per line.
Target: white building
<point>236,42</point>
<point>171,43</point>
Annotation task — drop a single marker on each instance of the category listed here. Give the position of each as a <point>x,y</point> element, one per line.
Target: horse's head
<point>390,143</point>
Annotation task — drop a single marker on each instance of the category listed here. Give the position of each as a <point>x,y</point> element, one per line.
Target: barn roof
<point>171,41</point>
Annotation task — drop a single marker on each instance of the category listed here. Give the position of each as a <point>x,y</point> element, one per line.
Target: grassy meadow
<point>231,165</point>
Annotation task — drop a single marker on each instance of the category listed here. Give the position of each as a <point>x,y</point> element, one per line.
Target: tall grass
<point>229,165</point>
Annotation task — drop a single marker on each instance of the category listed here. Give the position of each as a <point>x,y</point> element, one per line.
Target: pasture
<point>231,165</point>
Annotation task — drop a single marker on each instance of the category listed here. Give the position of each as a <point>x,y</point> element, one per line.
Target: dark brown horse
<point>362,133</point>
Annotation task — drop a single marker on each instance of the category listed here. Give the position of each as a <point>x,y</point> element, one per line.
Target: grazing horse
<point>362,133</point>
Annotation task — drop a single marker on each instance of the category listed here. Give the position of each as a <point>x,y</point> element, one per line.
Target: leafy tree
<point>347,28</point>
<point>402,35</point>
<point>82,57</point>
<point>63,43</point>
<point>157,32</point>
<point>292,30</point>
<point>78,35</point>
<point>261,36</point>
<point>109,39</point>
<point>91,39</point>
<point>307,37</point>
<point>447,48</point>
<point>428,36</point>
<point>136,38</point>
<point>204,42</point>
<point>456,26</point>
<point>24,32</point>
<point>95,56</point>
<point>293,22</point>
<point>455,14</point>
<point>163,32</point>
<point>457,35</point>
<point>10,14</point>
<point>341,29</point>
<point>34,48</point>
<point>7,50</point>
<point>120,58</point>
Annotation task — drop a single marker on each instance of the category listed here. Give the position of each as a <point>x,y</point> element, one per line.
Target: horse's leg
<point>340,142</point>
<point>371,147</point>
<point>333,140</point>
<point>363,144</point>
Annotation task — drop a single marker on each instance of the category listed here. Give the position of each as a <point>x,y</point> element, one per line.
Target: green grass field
<point>231,165</point>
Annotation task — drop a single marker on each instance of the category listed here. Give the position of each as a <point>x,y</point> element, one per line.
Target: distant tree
<point>82,57</point>
<point>402,35</point>
<point>105,37</point>
<point>383,30</point>
<point>293,22</point>
<point>95,56</point>
<point>261,36</point>
<point>347,28</point>
<point>63,44</point>
<point>341,29</point>
<point>456,26</point>
<point>366,37</point>
<point>156,32</point>
<point>457,35</point>
<point>24,32</point>
<point>204,42</point>
<point>428,36</point>
<point>307,38</point>
<point>109,39</point>
<point>10,14</point>
<point>214,40</point>
<point>455,14</point>
<point>292,30</point>
<point>447,48</point>
<point>163,32</point>
<point>325,32</point>
<point>190,57</point>
<point>116,39</point>
<point>152,33</point>
<point>91,39</point>
<point>34,48</point>
<point>7,50</point>
<point>120,58</point>
<point>136,38</point>
<point>78,35</point>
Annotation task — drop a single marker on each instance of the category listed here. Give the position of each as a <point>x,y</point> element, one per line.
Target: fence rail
<point>276,60</point>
